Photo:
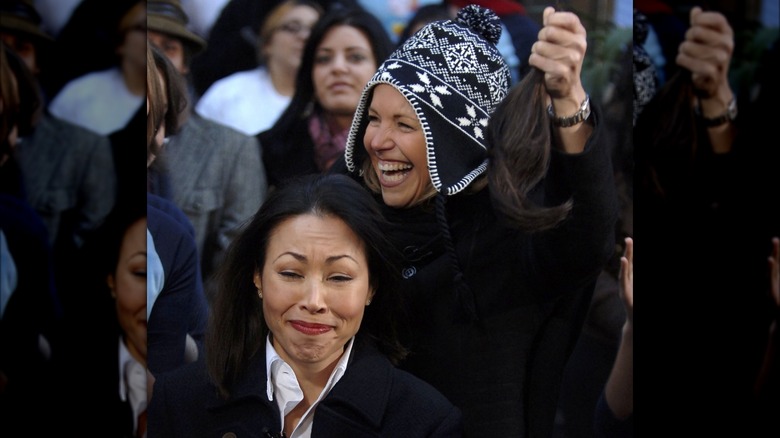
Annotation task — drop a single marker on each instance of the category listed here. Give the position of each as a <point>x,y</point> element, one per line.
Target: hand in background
<point>774,270</point>
<point>627,280</point>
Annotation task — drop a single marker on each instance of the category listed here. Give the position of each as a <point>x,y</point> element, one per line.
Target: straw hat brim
<point>12,23</point>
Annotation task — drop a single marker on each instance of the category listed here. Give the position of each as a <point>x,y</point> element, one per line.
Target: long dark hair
<point>237,329</point>
<point>666,140</point>
<point>303,101</point>
<point>520,144</point>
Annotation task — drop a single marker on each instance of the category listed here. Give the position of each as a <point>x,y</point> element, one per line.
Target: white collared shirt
<point>136,393</point>
<point>283,383</point>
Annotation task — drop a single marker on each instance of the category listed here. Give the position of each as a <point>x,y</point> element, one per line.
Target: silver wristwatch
<point>728,116</point>
<point>582,114</point>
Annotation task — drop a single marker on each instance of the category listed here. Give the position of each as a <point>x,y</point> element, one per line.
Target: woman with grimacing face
<point>315,285</point>
<point>304,321</point>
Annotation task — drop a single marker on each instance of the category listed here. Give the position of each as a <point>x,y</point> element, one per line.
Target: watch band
<point>728,116</point>
<point>581,115</point>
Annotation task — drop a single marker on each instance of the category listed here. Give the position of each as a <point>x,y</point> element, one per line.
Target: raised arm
<point>559,53</point>
<point>706,52</point>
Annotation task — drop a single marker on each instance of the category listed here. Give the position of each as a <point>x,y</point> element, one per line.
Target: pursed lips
<point>310,328</point>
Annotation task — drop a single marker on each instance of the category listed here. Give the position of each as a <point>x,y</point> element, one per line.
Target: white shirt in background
<point>98,101</point>
<point>246,101</point>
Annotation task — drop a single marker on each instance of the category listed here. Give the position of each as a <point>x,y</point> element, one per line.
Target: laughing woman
<point>503,203</point>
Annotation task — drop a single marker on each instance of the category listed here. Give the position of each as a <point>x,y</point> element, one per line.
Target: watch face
<point>732,109</point>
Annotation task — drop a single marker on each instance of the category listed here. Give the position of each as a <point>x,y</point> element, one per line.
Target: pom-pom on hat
<point>454,77</point>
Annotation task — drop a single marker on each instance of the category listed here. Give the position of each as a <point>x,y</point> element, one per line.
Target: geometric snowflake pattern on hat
<point>454,78</point>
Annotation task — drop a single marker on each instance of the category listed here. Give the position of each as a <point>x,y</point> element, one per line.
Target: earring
<point>260,293</point>
<point>368,303</point>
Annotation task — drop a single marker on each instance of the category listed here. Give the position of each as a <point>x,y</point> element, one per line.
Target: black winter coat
<point>372,399</point>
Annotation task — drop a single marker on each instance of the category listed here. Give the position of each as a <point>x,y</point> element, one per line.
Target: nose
<point>378,138</point>
<point>339,63</point>
<point>313,300</point>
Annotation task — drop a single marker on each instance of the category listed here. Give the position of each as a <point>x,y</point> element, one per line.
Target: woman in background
<point>252,100</point>
<point>342,52</point>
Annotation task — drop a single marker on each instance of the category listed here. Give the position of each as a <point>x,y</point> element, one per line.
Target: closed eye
<point>340,278</point>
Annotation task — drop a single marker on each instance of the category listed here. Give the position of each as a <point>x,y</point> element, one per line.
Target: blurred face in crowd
<point>395,143</point>
<point>133,28</point>
<point>285,45</point>
<point>343,64</point>
<point>315,286</point>
<point>128,287</point>
<point>171,47</point>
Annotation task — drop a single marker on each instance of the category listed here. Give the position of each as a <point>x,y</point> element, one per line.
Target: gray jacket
<point>218,180</point>
<point>68,170</point>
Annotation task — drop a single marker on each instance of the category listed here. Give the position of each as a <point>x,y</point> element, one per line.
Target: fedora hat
<point>167,16</point>
<point>21,17</point>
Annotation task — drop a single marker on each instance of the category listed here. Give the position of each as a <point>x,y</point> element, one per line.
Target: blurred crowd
<point>108,271</point>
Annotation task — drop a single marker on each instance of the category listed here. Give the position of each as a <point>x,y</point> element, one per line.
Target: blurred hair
<point>21,95</point>
<point>155,101</point>
<point>167,94</point>
<point>520,143</point>
<point>9,103</point>
<point>666,140</point>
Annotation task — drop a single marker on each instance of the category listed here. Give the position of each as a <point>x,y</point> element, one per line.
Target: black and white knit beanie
<point>454,77</point>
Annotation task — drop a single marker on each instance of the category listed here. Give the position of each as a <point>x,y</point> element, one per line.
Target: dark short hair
<point>237,329</point>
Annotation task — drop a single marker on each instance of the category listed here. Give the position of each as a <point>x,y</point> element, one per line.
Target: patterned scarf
<point>645,75</point>
<point>329,141</point>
